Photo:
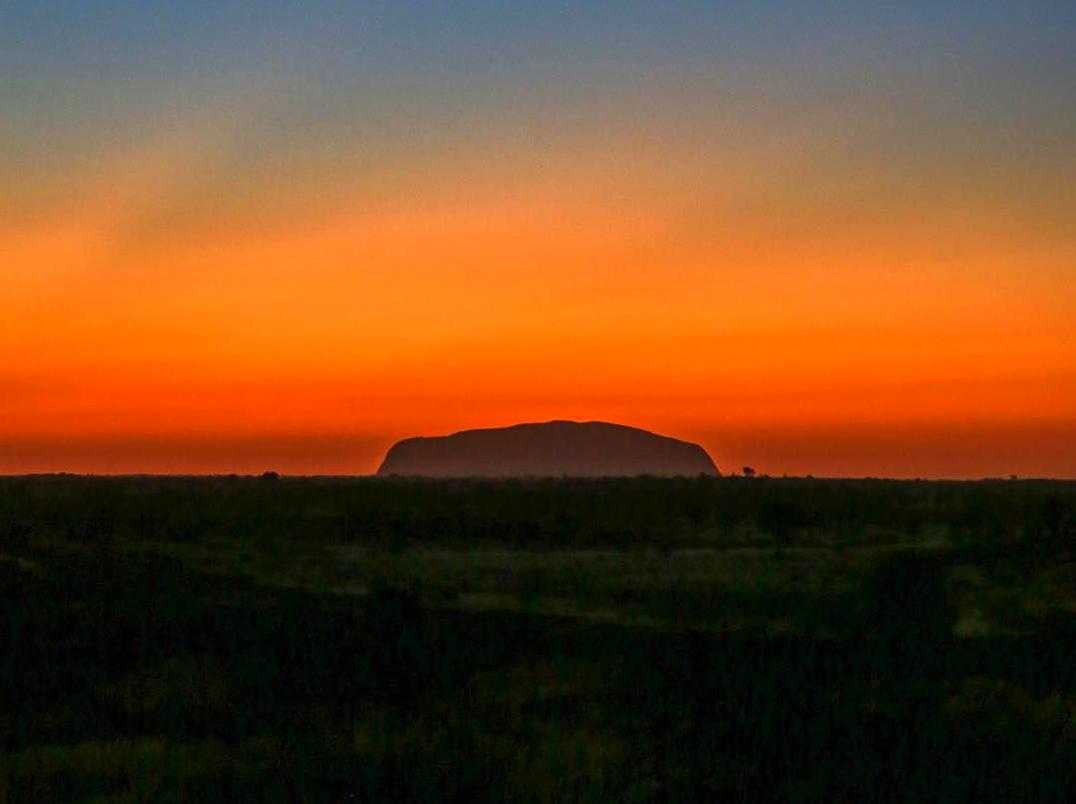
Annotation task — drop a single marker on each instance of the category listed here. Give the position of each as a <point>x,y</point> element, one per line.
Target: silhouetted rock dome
<point>578,449</point>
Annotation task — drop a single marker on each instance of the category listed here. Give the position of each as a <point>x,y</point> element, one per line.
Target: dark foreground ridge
<point>578,449</point>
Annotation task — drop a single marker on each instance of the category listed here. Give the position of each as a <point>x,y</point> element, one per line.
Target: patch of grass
<point>175,640</point>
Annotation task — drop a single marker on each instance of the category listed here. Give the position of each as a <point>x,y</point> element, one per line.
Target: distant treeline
<point>536,513</point>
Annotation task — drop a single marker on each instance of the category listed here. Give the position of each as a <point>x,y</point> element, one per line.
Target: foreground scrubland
<point>281,639</point>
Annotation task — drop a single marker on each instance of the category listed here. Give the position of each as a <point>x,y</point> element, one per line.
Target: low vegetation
<point>280,639</point>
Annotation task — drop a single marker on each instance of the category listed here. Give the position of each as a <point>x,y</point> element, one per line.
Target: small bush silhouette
<point>906,601</point>
<point>781,519</point>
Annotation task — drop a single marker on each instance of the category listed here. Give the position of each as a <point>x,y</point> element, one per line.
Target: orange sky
<point>806,282</point>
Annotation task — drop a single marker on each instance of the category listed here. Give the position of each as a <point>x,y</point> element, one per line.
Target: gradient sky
<point>828,238</point>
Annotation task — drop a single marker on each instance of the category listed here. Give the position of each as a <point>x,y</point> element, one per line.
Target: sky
<point>829,238</point>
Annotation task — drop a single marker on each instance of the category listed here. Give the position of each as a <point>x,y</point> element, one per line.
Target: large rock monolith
<point>557,448</point>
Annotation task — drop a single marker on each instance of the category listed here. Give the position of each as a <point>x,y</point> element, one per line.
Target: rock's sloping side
<point>578,449</point>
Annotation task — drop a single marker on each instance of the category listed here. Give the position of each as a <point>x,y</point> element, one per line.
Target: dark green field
<point>279,639</point>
